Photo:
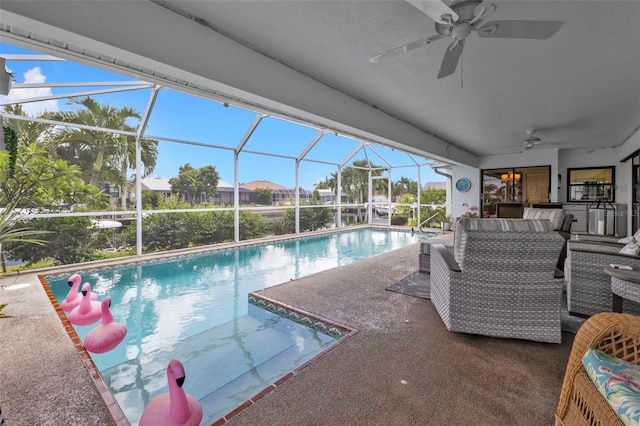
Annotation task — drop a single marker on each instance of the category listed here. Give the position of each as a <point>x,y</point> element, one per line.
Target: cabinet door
<point>536,189</point>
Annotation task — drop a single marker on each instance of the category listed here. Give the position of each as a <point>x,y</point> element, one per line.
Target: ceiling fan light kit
<point>459,20</point>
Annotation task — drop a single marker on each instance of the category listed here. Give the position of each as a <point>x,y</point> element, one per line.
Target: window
<point>591,184</point>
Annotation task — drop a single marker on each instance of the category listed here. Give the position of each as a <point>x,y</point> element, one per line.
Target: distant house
<point>435,185</point>
<point>327,196</point>
<point>280,195</point>
<point>225,193</point>
<point>113,192</point>
<point>158,185</point>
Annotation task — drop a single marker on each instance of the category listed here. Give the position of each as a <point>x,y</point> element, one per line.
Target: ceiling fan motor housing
<point>466,12</point>
<point>461,31</point>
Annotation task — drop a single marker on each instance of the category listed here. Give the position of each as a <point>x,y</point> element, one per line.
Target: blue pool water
<point>195,308</point>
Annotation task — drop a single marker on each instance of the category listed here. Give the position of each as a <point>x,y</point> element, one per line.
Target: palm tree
<point>27,131</point>
<point>405,186</point>
<point>148,156</point>
<point>104,157</point>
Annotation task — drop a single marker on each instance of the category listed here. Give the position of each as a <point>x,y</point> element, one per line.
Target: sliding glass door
<point>506,191</point>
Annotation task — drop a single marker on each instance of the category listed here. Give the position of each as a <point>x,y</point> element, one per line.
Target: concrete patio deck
<point>401,367</point>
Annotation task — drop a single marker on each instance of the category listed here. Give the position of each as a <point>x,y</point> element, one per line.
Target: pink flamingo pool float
<point>175,407</point>
<point>74,296</point>
<point>107,335</point>
<point>88,311</point>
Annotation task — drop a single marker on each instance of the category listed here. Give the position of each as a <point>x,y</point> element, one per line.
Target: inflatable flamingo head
<point>106,304</point>
<point>175,407</point>
<point>73,279</point>
<point>107,317</point>
<point>86,289</point>
<point>175,371</point>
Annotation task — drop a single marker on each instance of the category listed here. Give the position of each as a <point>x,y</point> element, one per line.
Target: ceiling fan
<point>531,140</point>
<point>458,20</point>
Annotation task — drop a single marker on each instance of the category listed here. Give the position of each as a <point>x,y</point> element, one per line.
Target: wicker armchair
<point>501,282</point>
<point>580,401</point>
<point>588,287</point>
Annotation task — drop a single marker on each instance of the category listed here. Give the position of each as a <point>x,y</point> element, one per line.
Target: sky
<point>186,117</point>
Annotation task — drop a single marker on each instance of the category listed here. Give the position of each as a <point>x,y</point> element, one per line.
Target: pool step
<point>308,343</point>
<point>223,364</point>
<point>211,360</point>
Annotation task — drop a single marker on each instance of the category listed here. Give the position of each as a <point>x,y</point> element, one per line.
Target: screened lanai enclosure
<point>120,166</point>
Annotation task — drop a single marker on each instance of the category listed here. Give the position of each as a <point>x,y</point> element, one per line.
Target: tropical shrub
<point>13,230</point>
<point>170,231</point>
<point>399,220</point>
<point>311,219</point>
<point>150,199</point>
<point>252,226</point>
<point>278,227</point>
<point>68,240</point>
<point>265,196</point>
<point>38,181</point>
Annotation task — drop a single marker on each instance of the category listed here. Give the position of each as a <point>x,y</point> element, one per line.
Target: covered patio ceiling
<point>580,88</point>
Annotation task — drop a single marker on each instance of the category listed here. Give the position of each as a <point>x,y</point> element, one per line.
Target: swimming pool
<point>195,308</point>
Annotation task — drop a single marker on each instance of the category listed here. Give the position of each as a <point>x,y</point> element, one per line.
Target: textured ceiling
<point>579,89</point>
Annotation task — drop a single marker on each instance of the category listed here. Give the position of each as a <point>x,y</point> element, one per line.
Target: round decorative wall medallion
<point>463,185</point>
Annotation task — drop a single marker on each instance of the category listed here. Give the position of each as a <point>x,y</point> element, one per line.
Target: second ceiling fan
<point>458,20</point>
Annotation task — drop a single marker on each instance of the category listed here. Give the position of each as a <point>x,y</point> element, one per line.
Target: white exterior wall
<point>471,197</point>
<point>577,158</point>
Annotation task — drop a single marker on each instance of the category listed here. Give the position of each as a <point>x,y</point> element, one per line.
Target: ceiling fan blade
<point>540,30</point>
<point>482,12</point>
<point>434,9</point>
<point>405,47</point>
<point>451,58</point>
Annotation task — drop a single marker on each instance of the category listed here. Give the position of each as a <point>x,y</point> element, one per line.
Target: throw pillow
<point>632,248</point>
<point>618,381</point>
<point>635,237</point>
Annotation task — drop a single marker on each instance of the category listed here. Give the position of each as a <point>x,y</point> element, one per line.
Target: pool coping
<point>292,313</point>
<point>114,408</point>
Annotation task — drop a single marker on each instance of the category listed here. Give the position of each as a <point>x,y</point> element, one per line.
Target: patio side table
<point>625,284</point>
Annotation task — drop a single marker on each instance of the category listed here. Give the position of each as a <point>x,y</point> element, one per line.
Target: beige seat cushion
<point>554,215</point>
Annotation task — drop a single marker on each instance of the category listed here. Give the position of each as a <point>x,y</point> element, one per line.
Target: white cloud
<point>34,75</point>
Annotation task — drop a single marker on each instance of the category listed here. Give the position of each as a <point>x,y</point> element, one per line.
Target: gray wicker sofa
<point>588,287</point>
<point>500,281</point>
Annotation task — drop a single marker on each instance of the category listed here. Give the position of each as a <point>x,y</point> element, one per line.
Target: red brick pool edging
<point>336,330</point>
<point>114,408</point>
